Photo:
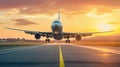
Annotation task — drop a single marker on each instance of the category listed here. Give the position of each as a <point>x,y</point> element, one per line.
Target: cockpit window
<point>56,21</point>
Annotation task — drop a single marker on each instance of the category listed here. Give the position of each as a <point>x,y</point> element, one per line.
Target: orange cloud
<point>52,6</point>
<point>23,22</point>
<point>1,23</point>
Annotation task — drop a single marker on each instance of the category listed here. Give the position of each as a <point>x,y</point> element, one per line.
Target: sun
<point>105,27</point>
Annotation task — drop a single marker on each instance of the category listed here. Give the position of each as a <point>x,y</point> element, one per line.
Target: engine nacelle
<point>37,36</point>
<point>78,38</point>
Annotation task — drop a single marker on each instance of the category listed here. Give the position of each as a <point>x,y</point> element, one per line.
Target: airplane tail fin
<point>58,15</point>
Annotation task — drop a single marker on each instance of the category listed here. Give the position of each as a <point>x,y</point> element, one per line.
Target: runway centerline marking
<point>61,59</point>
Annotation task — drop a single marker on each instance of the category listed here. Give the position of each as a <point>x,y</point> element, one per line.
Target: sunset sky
<point>76,16</point>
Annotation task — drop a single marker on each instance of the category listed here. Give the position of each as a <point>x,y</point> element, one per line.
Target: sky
<point>76,16</point>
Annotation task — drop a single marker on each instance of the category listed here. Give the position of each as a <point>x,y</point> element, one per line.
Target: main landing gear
<point>47,40</point>
<point>67,41</point>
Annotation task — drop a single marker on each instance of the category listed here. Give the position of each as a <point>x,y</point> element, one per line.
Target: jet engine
<point>78,38</point>
<point>37,36</point>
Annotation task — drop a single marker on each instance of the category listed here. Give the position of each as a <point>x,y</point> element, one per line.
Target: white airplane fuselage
<point>57,32</point>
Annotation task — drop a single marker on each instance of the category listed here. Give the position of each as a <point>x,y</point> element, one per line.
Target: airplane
<point>57,32</point>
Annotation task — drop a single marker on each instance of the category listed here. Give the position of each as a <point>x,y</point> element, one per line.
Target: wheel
<point>67,41</point>
<point>47,40</point>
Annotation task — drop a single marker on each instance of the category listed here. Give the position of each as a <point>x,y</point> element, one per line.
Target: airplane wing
<point>65,34</point>
<point>83,34</point>
<point>47,34</point>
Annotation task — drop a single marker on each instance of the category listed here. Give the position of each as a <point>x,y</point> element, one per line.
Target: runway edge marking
<point>61,59</point>
<point>99,49</point>
<point>16,49</point>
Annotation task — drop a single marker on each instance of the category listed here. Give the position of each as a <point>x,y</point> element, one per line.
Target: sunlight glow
<point>105,27</point>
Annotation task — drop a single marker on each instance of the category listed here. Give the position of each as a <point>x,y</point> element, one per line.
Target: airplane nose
<point>56,26</point>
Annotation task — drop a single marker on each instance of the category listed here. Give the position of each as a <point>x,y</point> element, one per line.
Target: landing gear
<point>67,41</point>
<point>47,40</point>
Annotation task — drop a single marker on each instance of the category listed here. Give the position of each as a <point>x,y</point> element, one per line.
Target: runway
<point>59,55</point>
